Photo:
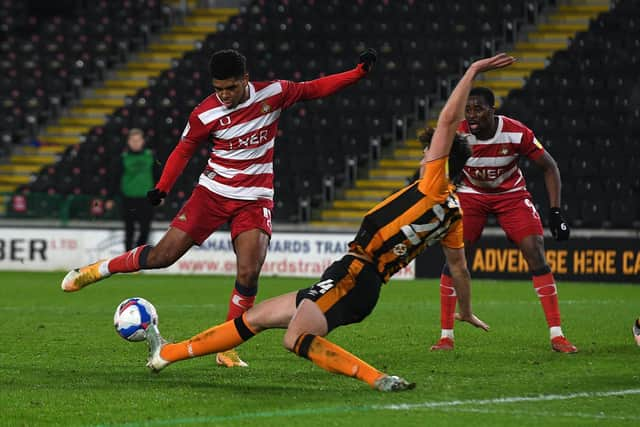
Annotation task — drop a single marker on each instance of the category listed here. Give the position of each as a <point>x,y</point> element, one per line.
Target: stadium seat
<point>594,213</point>
<point>301,40</point>
<point>57,55</point>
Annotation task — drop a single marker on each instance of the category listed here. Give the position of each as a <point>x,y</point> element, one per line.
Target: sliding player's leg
<point>273,313</point>
<point>347,293</point>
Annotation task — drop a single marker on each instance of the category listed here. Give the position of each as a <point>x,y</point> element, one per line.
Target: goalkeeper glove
<point>155,196</point>
<point>368,59</point>
<point>557,224</point>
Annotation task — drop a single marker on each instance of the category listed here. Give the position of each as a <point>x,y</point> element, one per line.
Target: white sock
<point>446,333</point>
<point>555,331</point>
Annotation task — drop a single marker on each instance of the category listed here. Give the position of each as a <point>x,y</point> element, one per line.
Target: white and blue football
<point>132,318</point>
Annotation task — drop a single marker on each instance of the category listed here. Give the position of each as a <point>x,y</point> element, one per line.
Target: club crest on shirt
<point>400,249</point>
<point>265,107</point>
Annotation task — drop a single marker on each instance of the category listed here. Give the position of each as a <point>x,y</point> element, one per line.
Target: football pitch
<point>61,362</point>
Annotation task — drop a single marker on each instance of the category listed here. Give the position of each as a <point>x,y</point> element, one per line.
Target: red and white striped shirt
<point>493,165</point>
<point>240,164</point>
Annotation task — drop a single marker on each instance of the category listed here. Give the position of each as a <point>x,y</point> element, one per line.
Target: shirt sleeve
<point>194,134</point>
<point>435,182</point>
<point>319,88</point>
<point>530,146</point>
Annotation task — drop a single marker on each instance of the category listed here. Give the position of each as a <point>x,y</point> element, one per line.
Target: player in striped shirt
<point>240,120</point>
<point>391,235</point>
<point>492,183</point>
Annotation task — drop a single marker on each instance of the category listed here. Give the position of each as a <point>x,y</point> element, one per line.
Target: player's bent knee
<point>289,341</point>
<point>301,344</point>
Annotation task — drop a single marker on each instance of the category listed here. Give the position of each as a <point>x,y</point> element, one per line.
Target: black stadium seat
<point>584,111</point>
<point>590,120</point>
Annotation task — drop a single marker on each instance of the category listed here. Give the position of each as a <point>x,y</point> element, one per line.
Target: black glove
<point>368,59</point>
<point>557,224</point>
<point>155,196</point>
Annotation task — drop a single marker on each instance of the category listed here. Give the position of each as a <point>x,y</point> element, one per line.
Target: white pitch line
<point>599,416</point>
<point>441,406</point>
<point>516,399</point>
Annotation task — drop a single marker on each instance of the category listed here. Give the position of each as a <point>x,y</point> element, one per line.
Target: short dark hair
<point>460,153</point>
<point>227,64</point>
<point>484,93</point>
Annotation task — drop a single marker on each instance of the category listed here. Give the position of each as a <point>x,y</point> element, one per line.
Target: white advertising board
<point>290,254</point>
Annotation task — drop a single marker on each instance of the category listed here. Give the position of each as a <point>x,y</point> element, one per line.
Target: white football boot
<point>392,383</point>
<point>155,341</point>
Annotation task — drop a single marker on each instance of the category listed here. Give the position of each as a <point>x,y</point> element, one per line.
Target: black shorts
<point>347,291</point>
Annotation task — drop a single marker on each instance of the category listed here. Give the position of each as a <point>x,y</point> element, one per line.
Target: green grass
<point>61,363</point>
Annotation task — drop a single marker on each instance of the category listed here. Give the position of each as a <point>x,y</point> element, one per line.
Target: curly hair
<point>460,152</point>
<point>227,64</point>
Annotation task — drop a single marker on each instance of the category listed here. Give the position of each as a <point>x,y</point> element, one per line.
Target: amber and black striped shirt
<point>400,227</point>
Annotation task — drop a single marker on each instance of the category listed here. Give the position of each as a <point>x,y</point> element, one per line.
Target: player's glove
<point>155,196</point>
<point>557,224</point>
<point>368,59</point>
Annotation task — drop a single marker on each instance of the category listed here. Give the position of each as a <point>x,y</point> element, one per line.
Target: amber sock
<point>333,358</point>
<point>219,338</point>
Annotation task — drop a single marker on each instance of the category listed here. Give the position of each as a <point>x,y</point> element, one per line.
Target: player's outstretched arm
<point>457,263</point>
<point>325,86</point>
<point>176,162</point>
<point>195,133</point>
<point>453,110</point>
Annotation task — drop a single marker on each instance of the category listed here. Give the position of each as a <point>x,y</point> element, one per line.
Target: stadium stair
<point>550,35</point>
<point>392,173</point>
<point>92,110</point>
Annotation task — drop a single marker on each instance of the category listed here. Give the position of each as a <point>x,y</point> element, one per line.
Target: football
<point>133,316</point>
<point>636,330</point>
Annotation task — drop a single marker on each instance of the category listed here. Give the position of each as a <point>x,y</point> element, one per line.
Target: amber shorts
<point>347,291</point>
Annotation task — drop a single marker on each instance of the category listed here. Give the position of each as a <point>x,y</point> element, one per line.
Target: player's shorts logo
<point>267,216</point>
<point>182,217</point>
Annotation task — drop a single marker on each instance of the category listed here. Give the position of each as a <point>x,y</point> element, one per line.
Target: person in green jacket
<point>132,174</point>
